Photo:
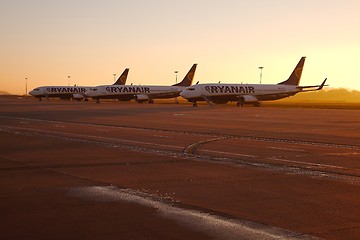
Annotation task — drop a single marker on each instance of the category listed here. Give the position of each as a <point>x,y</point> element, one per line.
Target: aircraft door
<point>201,91</point>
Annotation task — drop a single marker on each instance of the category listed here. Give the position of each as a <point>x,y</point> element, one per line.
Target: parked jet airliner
<point>69,92</point>
<point>141,93</point>
<point>249,93</point>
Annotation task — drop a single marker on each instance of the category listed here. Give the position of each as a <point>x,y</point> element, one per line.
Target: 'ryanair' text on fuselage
<point>230,89</point>
<point>66,89</point>
<point>128,89</point>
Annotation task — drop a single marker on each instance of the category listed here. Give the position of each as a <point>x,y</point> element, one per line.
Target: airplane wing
<point>313,88</point>
<point>169,94</point>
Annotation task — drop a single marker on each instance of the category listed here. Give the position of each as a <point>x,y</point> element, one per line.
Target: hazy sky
<point>47,40</point>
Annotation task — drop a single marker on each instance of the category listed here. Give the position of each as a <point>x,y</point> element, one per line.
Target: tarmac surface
<point>80,170</point>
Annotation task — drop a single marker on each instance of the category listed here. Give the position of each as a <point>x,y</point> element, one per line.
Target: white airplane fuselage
<point>137,92</point>
<point>63,92</point>
<point>245,93</point>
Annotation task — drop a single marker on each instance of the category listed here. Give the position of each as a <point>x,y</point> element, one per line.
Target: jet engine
<point>140,98</point>
<point>248,99</point>
<point>78,97</point>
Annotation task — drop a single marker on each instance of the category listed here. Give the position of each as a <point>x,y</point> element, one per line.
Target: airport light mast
<point>26,92</point>
<point>261,68</point>
<point>69,80</point>
<point>114,74</point>
<point>176,73</point>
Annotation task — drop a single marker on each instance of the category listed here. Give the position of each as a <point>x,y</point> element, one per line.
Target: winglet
<point>122,79</point>
<point>295,76</point>
<point>322,85</point>
<point>187,81</point>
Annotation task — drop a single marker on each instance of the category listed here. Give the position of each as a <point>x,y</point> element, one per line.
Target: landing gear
<point>151,101</point>
<point>97,100</point>
<point>208,100</point>
<point>40,99</point>
<point>194,104</point>
<point>257,104</point>
<point>240,101</point>
<point>239,104</point>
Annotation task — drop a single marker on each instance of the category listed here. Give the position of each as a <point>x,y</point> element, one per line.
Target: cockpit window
<point>94,89</point>
<point>190,89</point>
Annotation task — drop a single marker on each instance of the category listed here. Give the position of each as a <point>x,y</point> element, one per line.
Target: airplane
<point>70,92</point>
<point>141,93</point>
<point>249,93</point>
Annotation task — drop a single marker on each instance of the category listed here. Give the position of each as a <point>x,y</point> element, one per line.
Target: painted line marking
<point>89,136</point>
<point>287,149</point>
<point>306,163</point>
<point>229,153</point>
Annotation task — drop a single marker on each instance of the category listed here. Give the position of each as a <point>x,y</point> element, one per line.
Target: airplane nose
<point>33,93</point>
<point>183,93</point>
<point>90,93</point>
<point>87,93</point>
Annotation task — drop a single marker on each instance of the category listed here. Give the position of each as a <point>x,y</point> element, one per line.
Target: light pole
<point>176,72</point>
<point>26,92</point>
<point>261,68</point>
<point>69,80</point>
<point>114,74</point>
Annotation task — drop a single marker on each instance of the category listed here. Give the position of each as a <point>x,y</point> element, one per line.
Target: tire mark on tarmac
<point>246,137</point>
<point>190,150</point>
<point>80,165</point>
<point>188,153</point>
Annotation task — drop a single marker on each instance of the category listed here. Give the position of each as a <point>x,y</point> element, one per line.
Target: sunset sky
<point>89,40</point>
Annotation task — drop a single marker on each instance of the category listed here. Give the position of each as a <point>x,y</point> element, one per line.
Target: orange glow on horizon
<point>228,41</point>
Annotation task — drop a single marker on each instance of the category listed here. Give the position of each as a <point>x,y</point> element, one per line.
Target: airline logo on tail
<point>298,72</point>
<point>190,76</point>
<point>187,81</point>
<point>123,79</point>
<point>295,76</point>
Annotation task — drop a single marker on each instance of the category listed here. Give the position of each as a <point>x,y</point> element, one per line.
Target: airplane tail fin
<point>295,76</point>
<point>187,81</point>
<point>122,79</point>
